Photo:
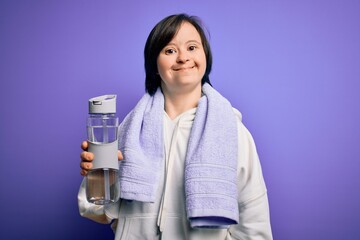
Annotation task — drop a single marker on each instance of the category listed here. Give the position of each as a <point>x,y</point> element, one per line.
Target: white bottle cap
<point>103,104</point>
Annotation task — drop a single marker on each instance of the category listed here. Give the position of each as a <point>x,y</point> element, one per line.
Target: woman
<point>195,173</point>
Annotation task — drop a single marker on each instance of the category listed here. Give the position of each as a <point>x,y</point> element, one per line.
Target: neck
<point>177,103</point>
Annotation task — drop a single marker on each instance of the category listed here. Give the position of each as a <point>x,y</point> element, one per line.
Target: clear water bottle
<point>102,184</point>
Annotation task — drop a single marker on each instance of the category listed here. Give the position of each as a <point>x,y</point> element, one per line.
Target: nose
<point>182,57</point>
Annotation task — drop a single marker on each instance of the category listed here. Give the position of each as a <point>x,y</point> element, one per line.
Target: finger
<point>84,145</point>
<point>120,156</point>
<point>83,172</point>
<point>86,165</point>
<point>87,156</point>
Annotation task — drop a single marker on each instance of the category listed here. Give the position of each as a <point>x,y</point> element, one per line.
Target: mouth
<point>183,68</point>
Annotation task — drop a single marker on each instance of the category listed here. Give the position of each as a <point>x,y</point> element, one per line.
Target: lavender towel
<point>210,165</point>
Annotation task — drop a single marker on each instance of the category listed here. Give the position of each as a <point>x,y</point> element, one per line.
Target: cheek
<point>162,70</point>
<point>201,58</point>
<point>162,65</point>
<point>203,63</point>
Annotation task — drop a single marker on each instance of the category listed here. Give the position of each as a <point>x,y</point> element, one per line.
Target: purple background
<point>291,67</point>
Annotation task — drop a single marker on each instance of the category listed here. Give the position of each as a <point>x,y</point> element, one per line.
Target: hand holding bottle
<point>87,158</point>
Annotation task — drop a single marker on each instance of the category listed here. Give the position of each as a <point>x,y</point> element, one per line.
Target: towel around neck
<point>210,165</point>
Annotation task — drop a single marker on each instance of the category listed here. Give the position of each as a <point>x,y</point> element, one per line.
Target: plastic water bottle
<point>102,184</point>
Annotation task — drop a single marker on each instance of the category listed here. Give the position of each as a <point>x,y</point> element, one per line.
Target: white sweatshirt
<point>166,218</point>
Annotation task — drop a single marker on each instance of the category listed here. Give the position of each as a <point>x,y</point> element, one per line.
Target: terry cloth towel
<point>210,164</point>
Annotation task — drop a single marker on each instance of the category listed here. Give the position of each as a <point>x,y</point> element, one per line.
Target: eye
<point>170,51</point>
<point>192,47</point>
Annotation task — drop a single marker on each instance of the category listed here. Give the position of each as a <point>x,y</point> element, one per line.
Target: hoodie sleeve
<point>98,213</point>
<point>254,216</point>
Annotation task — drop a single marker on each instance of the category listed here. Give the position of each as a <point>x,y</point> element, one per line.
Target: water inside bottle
<point>102,134</point>
<point>102,186</point>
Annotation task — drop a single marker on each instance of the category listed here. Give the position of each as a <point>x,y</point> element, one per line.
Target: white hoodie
<point>166,218</point>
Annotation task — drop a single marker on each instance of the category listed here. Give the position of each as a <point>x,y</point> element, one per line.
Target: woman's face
<point>182,62</point>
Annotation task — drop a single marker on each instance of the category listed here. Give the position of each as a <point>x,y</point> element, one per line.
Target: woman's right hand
<point>87,158</point>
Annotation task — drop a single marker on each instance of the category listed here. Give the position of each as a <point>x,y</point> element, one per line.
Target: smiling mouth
<point>183,68</point>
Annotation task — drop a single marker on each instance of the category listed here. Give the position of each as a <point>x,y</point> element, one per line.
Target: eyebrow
<point>187,42</point>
